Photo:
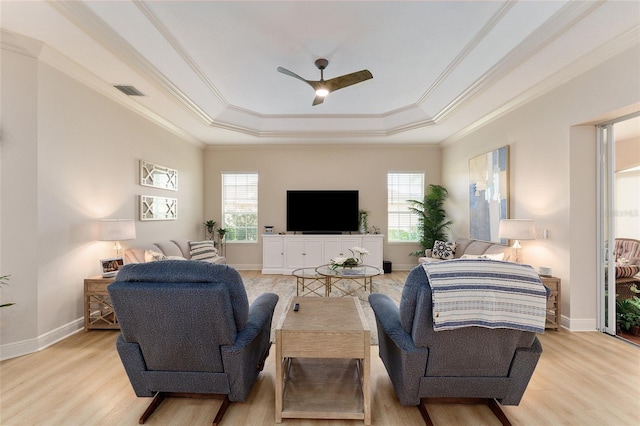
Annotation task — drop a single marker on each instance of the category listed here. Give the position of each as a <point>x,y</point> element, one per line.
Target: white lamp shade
<point>117,230</point>
<point>517,229</point>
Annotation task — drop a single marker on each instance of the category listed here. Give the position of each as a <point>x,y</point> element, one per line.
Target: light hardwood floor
<point>581,379</point>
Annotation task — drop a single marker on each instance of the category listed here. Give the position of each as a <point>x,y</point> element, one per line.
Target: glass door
<point>612,136</point>
<point>606,234</point>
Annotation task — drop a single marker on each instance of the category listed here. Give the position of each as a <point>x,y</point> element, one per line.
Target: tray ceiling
<point>208,68</point>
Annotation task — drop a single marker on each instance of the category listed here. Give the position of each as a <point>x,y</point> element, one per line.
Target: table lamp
<point>517,229</point>
<point>117,230</point>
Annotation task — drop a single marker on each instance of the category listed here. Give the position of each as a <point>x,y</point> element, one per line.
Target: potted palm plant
<point>432,218</point>
<point>210,224</point>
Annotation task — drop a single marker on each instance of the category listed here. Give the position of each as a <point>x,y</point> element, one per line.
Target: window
<point>240,206</point>
<point>402,223</point>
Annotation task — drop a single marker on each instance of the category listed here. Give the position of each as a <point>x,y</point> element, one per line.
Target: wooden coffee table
<point>323,360</point>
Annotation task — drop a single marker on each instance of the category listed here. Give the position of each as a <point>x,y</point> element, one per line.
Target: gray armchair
<point>471,364</point>
<point>187,330</point>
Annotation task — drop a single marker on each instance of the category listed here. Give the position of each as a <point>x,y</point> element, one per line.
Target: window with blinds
<point>240,206</point>
<point>402,223</point>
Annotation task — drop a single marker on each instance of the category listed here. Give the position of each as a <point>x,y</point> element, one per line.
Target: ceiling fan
<point>324,87</point>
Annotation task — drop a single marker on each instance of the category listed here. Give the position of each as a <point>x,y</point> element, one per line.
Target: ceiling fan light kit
<point>322,88</point>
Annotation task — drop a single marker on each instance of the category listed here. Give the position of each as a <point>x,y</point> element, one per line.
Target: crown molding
<point>564,19</point>
<point>251,123</point>
<point>22,45</point>
<point>90,23</point>
<point>583,64</point>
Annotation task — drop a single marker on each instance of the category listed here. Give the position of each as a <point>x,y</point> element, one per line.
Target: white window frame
<point>399,219</point>
<point>243,201</point>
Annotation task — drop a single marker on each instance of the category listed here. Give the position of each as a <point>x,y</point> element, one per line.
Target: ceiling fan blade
<point>332,84</point>
<point>292,74</point>
<point>347,80</point>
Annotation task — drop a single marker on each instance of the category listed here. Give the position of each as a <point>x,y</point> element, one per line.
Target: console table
<point>98,310</point>
<point>282,254</point>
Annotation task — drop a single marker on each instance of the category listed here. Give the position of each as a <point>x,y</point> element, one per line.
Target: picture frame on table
<point>110,267</point>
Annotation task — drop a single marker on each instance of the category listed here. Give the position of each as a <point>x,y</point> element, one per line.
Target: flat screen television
<point>322,212</point>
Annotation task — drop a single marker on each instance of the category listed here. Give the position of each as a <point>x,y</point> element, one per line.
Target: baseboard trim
<point>25,347</point>
<point>578,324</point>
<point>247,267</point>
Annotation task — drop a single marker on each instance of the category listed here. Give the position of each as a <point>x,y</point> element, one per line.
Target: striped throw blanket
<point>486,293</point>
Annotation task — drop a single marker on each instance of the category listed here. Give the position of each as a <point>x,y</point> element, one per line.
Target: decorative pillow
<point>203,250</point>
<point>175,258</point>
<point>473,256</point>
<point>626,271</point>
<point>153,256</point>
<point>443,250</point>
<point>495,256</point>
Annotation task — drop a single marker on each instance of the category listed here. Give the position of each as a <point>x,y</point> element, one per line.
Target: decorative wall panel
<point>158,176</point>
<point>158,208</point>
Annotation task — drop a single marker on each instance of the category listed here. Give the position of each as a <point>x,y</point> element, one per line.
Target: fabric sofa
<point>177,249</point>
<point>473,248</point>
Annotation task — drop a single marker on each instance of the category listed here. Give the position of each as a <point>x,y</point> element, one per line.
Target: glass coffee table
<point>309,282</point>
<point>361,276</point>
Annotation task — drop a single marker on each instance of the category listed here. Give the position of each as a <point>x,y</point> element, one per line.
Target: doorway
<point>619,216</point>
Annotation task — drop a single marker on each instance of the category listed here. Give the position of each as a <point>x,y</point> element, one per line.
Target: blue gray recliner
<point>471,364</point>
<point>187,329</point>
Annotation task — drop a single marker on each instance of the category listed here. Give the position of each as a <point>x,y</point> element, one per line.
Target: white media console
<point>281,254</point>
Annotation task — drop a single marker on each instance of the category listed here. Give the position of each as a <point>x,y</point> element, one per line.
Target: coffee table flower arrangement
<point>350,262</point>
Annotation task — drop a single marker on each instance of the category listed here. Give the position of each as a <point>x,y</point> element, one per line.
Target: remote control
<point>296,307</point>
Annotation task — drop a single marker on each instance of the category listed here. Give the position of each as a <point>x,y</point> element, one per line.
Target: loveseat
<point>177,249</point>
<point>472,248</point>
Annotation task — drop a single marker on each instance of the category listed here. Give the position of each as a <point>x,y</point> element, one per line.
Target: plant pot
<point>635,330</point>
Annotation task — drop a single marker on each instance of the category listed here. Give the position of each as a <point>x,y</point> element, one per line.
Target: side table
<point>554,303</point>
<point>98,310</point>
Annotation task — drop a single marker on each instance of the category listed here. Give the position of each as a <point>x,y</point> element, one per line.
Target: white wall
<point>627,187</point>
<point>70,157</point>
<point>18,214</point>
<point>286,167</point>
<point>627,209</point>
<point>553,174</point>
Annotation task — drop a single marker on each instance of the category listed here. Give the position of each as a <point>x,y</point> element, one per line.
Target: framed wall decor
<point>488,194</point>
<point>158,176</point>
<point>158,208</point>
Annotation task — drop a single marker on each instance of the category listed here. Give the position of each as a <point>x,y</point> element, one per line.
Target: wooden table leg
<point>279,376</point>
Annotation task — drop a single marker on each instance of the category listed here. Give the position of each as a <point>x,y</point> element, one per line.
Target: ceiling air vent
<point>129,90</point>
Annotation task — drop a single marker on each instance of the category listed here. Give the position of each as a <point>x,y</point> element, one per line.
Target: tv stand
<point>282,254</point>
<point>322,233</point>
